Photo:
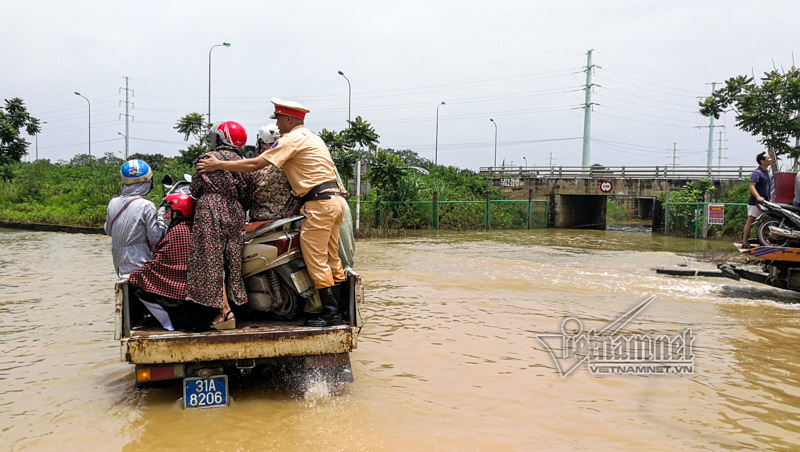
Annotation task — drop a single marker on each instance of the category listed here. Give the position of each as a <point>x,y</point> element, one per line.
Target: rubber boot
<point>330,315</point>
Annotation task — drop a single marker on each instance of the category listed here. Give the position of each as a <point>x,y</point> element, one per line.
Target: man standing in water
<point>310,170</point>
<point>760,187</point>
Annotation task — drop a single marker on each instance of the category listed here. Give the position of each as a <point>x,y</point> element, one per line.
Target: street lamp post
<point>224,44</point>
<point>436,151</point>
<point>526,161</point>
<point>126,139</point>
<point>90,121</point>
<point>349,95</point>
<point>495,141</point>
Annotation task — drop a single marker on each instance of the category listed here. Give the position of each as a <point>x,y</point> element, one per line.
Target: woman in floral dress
<point>218,229</point>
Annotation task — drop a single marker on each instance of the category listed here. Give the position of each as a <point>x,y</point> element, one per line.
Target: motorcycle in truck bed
<point>203,360</point>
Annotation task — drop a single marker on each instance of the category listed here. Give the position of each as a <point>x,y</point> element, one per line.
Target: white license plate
<point>302,280</point>
<point>205,392</point>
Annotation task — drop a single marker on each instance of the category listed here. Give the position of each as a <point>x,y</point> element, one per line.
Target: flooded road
<point>448,358</point>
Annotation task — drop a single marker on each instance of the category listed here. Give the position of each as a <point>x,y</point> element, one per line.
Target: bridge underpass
<point>578,195</point>
<point>581,212</point>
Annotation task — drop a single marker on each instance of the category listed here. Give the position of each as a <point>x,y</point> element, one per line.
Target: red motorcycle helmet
<point>228,132</point>
<point>182,203</point>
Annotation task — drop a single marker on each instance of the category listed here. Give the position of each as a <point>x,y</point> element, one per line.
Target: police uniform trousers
<point>319,240</point>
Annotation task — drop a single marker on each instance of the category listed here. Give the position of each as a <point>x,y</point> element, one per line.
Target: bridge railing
<point>612,172</point>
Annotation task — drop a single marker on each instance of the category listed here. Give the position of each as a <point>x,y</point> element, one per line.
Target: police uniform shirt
<point>304,157</point>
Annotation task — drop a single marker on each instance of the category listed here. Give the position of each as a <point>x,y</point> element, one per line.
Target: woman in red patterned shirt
<point>161,283</point>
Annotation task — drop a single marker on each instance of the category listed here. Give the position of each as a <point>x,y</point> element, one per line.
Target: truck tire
<point>768,239</point>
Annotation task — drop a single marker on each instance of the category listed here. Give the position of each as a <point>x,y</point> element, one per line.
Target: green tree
<point>193,125</point>
<point>769,109</point>
<point>82,160</point>
<point>343,157</point>
<point>361,134</point>
<point>683,218</point>
<point>350,145</point>
<point>385,174</point>
<point>411,158</point>
<point>14,117</point>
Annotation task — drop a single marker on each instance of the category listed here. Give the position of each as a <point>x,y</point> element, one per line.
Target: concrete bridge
<point>578,195</point>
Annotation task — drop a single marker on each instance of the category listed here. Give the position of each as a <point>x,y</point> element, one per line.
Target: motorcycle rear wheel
<point>290,308</point>
<point>766,238</point>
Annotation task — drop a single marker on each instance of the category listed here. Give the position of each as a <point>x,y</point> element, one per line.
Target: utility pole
<point>551,159</point>
<point>587,112</point>
<point>674,155</point>
<point>710,156</point>
<point>128,107</point>
<point>719,156</point>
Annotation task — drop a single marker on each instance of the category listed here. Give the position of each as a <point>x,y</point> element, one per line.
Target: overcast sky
<point>521,63</point>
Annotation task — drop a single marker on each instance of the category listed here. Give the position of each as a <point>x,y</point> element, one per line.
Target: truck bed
<point>254,338</point>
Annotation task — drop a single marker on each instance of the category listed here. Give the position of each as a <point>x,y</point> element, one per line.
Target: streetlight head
<point>341,73</point>
<point>226,44</point>
<point>490,119</point>
<point>442,102</point>
<point>77,93</point>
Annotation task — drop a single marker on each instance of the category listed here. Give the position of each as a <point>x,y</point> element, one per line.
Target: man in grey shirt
<point>132,221</point>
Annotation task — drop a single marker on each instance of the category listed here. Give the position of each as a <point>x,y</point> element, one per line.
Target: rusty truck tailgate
<point>273,340</point>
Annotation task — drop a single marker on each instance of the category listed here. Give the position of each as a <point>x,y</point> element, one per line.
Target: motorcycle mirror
<point>187,177</point>
<point>166,180</point>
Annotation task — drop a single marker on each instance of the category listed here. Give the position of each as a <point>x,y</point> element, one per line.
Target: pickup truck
<point>204,360</point>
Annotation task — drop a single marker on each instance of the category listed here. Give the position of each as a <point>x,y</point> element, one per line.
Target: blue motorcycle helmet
<point>135,171</point>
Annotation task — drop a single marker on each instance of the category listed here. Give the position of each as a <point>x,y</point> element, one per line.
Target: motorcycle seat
<point>256,225</point>
<point>256,228</point>
<point>790,207</point>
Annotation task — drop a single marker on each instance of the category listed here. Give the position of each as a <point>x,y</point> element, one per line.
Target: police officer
<point>310,170</point>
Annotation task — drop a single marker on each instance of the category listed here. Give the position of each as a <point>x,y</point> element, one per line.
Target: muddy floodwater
<point>449,357</point>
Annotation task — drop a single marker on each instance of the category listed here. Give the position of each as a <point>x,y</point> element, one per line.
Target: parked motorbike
<point>779,224</point>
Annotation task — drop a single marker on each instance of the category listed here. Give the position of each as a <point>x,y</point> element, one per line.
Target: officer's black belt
<point>315,195</point>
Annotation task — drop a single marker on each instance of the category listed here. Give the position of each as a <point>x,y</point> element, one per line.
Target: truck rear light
<point>159,373</point>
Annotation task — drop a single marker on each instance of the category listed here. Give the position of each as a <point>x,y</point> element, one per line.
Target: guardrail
<point>612,172</point>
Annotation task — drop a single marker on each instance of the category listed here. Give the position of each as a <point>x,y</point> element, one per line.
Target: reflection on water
<point>448,358</point>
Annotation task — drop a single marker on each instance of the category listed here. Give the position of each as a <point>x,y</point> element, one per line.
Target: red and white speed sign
<point>606,186</point>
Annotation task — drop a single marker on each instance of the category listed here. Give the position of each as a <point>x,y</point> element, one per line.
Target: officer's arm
<point>209,163</point>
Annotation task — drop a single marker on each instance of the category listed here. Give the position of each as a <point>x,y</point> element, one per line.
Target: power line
<point>642,97</point>
<point>477,115</point>
<point>637,145</point>
<point>487,143</point>
<point>693,93</point>
<point>606,96</point>
<point>648,89</point>
<point>645,114</point>
<point>643,122</point>
<point>653,74</point>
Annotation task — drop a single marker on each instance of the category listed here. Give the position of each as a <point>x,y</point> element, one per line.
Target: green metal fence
<point>690,219</point>
<point>471,215</point>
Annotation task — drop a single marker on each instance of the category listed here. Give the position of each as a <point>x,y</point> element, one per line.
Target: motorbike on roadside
<point>779,224</point>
